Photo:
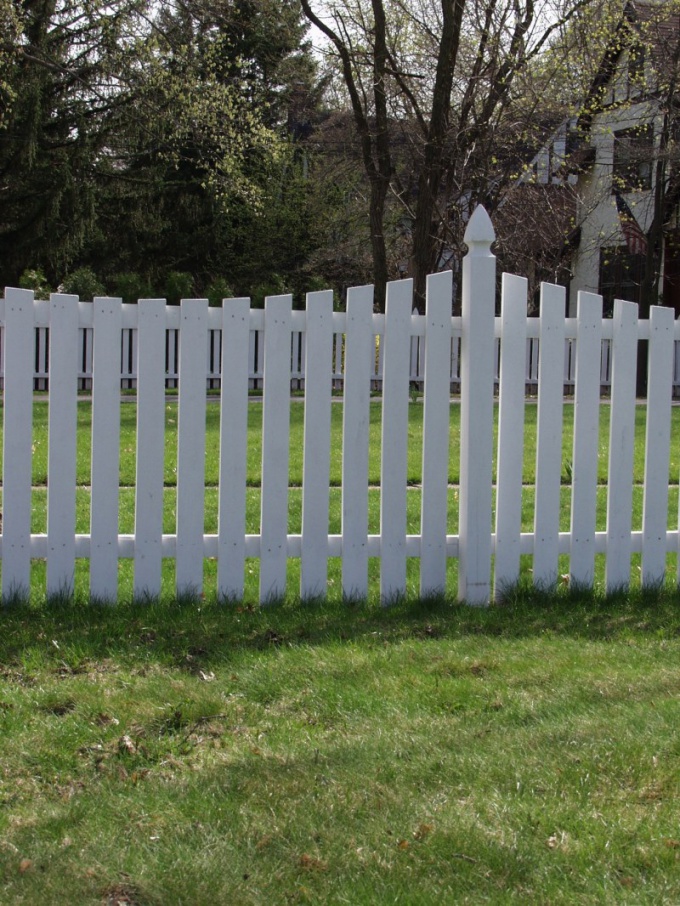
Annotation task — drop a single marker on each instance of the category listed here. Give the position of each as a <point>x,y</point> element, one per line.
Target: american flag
<point>635,238</point>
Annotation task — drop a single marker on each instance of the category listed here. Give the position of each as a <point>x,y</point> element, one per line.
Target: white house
<point>625,147</point>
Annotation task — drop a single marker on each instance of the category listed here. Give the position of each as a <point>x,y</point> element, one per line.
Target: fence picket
<point>318,353</point>
<point>193,366</point>
<point>476,411</point>
<point>150,446</point>
<point>19,337</point>
<point>359,364</point>
<point>61,469</point>
<point>510,432</point>
<point>394,449</point>
<point>551,365</point>
<point>621,445</point>
<point>586,438</point>
<point>105,457</point>
<point>435,468</point>
<point>275,430</point>
<point>236,350</point>
<point>657,445</point>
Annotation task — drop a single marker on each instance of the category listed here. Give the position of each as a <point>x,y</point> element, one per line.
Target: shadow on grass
<point>194,634</point>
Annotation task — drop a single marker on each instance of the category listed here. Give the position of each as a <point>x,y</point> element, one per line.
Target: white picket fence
<point>128,358</point>
<point>488,554</point>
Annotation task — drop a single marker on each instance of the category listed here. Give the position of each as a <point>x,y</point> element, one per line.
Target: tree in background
<point>447,84</point>
<point>146,139</point>
<point>9,32</point>
<point>62,79</point>
<point>628,241</point>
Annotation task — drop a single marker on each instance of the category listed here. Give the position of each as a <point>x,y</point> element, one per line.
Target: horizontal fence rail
<point>128,357</point>
<point>486,357</point>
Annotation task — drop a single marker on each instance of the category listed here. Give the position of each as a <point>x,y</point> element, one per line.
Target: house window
<point>633,151</point>
<point>620,276</point>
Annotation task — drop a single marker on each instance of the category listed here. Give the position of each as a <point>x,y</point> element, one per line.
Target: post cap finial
<point>480,231</point>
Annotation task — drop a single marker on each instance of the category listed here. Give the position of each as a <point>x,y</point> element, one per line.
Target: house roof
<point>637,16</point>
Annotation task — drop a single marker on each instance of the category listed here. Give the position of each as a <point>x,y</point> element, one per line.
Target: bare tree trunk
<point>375,141</point>
<point>425,229</point>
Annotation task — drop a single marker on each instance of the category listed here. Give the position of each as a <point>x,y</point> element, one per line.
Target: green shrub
<point>178,285</point>
<point>34,278</point>
<point>219,289</point>
<point>84,282</point>
<point>275,286</point>
<point>132,287</point>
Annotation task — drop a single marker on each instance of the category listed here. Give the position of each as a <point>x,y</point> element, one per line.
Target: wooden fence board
<point>318,351</point>
<point>359,364</point>
<point>236,351</point>
<point>586,438</point>
<point>105,456</point>
<point>61,468</point>
<point>435,456</point>
<point>657,444</point>
<point>394,447</point>
<point>275,431</point>
<point>549,436</point>
<point>193,366</point>
<point>621,445</point>
<point>150,446</point>
<point>510,433</point>
<point>19,338</point>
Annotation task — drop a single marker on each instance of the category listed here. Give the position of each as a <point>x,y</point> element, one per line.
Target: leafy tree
<point>447,81</point>
<point>9,32</point>
<point>205,176</point>
<point>62,76</point>
<point>148,138</point>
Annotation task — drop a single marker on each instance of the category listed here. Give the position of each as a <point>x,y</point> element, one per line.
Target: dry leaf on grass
<point>310,863</point>
<point>125,744</point>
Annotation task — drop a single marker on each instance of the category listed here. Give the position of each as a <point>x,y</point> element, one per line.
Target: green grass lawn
<point>185,753</point>
<point>127,480</point>
<point>128,442</point>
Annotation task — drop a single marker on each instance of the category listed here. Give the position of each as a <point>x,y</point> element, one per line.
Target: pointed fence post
<point>476,411</point>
